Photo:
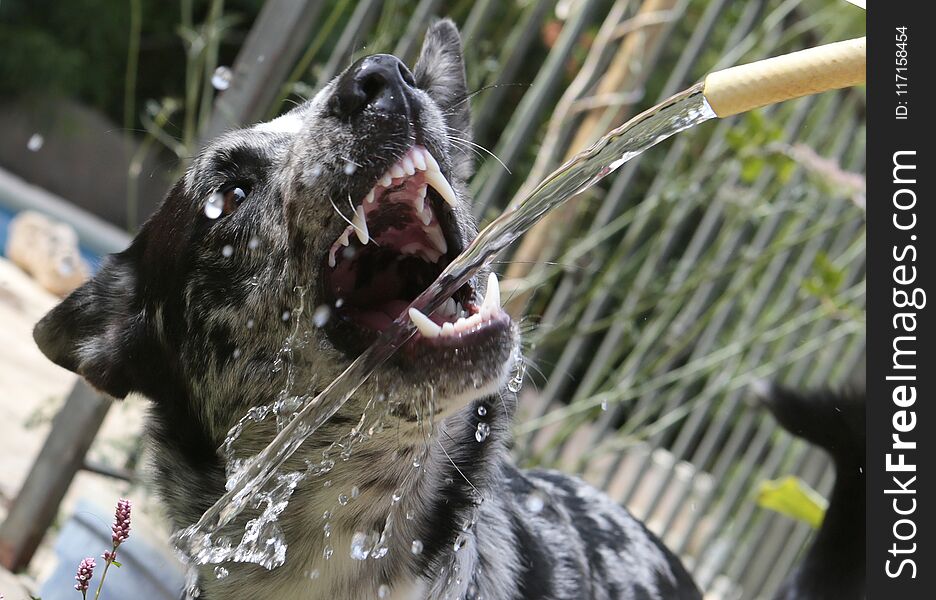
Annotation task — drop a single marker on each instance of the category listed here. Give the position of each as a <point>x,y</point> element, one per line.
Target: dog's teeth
<point>448,328</point>
<point>419,202</point>
<point>419,161</point>
<point>359,222</point>
<point>396,171</point>
<point>491,301</point>
<point>331,257</point>
<point>437,180</point>
<point>424,324</point>
<point>345,238</point>
<point>370,197</point>
<point>437,238</point>
<point>386,181</point>
<point>408,167</point>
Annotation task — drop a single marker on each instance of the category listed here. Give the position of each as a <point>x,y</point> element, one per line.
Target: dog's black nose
<point>380,81</point>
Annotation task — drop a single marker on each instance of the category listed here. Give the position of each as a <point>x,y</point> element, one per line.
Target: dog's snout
<point>380,81</point>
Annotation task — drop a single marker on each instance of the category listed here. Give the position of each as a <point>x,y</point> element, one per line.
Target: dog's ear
<point>95,331</point>
<point>440,71</point>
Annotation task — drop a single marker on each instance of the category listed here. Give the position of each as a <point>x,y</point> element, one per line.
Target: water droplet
<point>361,545</point>
<point>395,497</point>
<point>261,58</point>
<point>236,353</point>
<point>313,574</point>
<point>459,542</point>
<point>327,529</point>
<point>339,302</point>
<point>350,168</point>
<point>321,315</point>
<point>220,572</point>
<point>416,463</point>
<point>355,491</point>
<point>534,502</point>
<point>410,515</point>
<point>516,382</point>
<point>221,78</point>
<point>253,243</point>
<point>327,484</point>
<point>482,411</point>
<point>214,206</point>
<point>383,591</point>
<point>417,547</point>
<point>250,323</point>
<point>326,515</point>
<point>35,142</point>
<point>286,315</point>
<point>327,552</point>
<point>227,251</point>
<point>482,432</point>
<point>343,499</point>
<point>604,405</point>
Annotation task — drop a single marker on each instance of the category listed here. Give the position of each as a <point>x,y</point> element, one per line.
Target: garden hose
<point>746,87</point>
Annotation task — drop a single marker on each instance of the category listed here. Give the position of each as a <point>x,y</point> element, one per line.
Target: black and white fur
<point>199,331</point>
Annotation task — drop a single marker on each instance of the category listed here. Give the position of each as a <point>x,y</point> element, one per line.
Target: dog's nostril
<point>406,75</point>
<point>372,84</point>
<point>380,81</point>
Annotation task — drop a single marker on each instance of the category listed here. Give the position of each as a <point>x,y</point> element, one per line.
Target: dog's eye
<point>233,197</point>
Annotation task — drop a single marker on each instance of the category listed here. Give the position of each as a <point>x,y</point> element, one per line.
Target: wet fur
<point>201,334</point>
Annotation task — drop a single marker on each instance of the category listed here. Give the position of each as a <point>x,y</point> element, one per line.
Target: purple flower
<point>121,527</point>
<point>83,576</point>
<point>109,556</point>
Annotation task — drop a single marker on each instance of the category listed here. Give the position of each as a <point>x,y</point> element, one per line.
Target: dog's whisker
<point>460,472</point>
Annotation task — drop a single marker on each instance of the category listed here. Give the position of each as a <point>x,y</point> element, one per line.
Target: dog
<point>279,256</point>
<point>834,565</point>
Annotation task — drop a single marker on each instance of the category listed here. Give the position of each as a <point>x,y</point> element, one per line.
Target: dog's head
<point>286,249</point>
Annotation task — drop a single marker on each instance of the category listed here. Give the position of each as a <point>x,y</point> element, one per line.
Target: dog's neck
<point>416,487</point>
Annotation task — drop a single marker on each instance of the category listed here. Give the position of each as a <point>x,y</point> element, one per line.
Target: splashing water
<point>248,484</point>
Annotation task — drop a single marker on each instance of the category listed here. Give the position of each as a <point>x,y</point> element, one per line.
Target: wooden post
<point>62,455</point>
<point>272,47</point>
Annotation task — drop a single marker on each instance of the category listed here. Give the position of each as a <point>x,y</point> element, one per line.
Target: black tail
<point>834,566</point>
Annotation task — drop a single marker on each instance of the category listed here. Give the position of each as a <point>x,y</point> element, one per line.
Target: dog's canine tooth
<point>437,238</point>
<point>359,222</point>
<point>371,196</point>
<point>424,324</point>
<point>419,161</point>
<point>492,294</point>
<point>437,180</point>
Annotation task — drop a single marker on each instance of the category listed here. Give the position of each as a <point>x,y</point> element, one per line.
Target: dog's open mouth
<point>402,235</point>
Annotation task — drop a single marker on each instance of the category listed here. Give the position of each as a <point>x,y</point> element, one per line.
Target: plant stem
<point>107,564</point>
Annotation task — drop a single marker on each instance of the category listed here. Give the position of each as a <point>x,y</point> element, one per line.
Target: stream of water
<point>260,480</point>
